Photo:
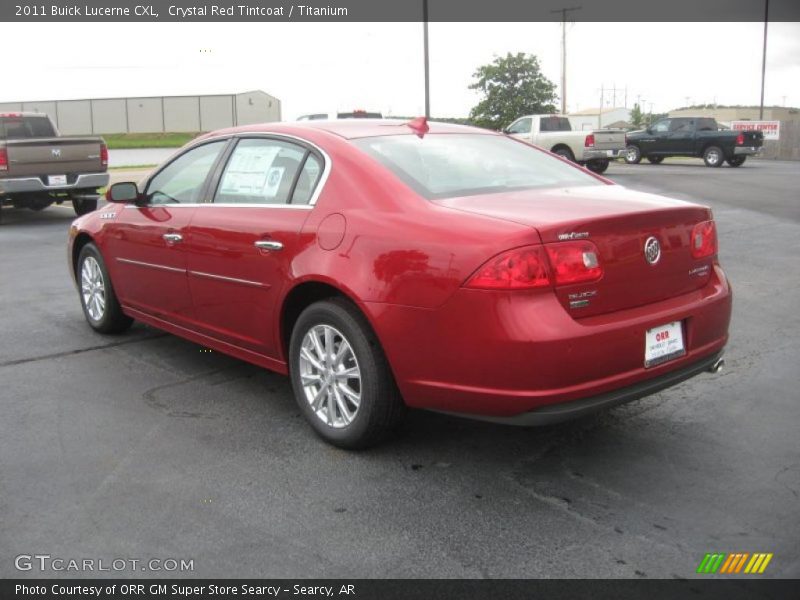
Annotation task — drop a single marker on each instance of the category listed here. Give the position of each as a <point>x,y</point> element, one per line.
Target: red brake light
<point>518,269</point>
<point>704,239</point>
<point>3,159</point>
<point>103,154</point>
<point>589,141</point>
<point>574,262</point>
<point>740,139</point>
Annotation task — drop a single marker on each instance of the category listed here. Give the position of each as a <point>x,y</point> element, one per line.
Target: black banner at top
<point>398,10</point>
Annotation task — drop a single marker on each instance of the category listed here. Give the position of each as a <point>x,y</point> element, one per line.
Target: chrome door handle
<point>173,238</point>
<point>268,245</point>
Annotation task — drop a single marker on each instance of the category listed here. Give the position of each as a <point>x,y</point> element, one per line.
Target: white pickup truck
<point>553,132</point>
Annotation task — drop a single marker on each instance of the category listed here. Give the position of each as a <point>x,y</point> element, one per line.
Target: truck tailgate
<point>54,156</point>
<point>607,139</point>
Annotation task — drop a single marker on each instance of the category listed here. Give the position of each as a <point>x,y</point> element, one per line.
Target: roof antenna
<point>418,126</point>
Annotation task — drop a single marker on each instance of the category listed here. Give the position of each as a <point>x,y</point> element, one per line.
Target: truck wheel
<point>633,156</point>
<point>340,377</point>
<point>736,161</point>
<point>598,166</point>
<point>100,305</point>
<point>656,160</point>
<point>713,156</point>
<point>565,152</point>
<point>84,205</point>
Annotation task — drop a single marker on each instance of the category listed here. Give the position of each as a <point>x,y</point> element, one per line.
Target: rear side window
<point>449,165</point>
<point>706,124</point>
<point>12,128</point>
<point>554,124</point>
<point>682,125</point>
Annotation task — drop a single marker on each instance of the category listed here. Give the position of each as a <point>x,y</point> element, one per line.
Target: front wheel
<point>736,161</point>
<point>633,156</point>
<point>100,305</point>
<point>713,156</point>
<point>598,166</point>
<point>340,377</point>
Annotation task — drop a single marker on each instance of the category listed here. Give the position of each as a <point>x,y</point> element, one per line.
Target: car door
<point>242,244</point>
<point>656,139</point>
<point>147,240</point>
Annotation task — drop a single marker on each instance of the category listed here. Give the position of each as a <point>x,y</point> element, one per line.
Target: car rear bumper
<point>746,150</point>
<point>491,354</point>
<point>35,184</point>
<point>589,154</point>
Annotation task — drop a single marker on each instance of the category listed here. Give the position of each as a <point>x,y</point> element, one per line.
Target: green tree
<point>512,86</point>
<point>637,116</point>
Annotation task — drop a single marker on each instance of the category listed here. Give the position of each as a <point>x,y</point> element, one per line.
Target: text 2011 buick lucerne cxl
<point>384,265</point>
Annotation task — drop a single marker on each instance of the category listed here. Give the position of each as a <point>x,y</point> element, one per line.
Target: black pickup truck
<point>692,136</point>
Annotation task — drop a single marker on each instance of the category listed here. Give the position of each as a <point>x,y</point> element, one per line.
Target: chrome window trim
<point>257,284</point>
<point>151,265</point>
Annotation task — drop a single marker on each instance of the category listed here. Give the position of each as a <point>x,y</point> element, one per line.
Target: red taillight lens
<point>104,155</point>
<point>704,239</point>
<point>740,139</point>
<point>518,269</point>
<point>3,159</point>
<point>589,141</point>
<point>574,262</point>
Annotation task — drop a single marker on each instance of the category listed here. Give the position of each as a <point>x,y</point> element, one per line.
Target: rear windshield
<point>12,128</point>
<point>449,165</point>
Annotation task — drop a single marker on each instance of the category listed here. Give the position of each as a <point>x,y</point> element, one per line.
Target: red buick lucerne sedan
<point>385,265</point>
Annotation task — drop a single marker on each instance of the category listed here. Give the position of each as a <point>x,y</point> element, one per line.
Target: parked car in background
<point>355,114</point>
<point>39,167</point>
<point>554,132</point>
<point>693,136</point>
<point>384,265</point>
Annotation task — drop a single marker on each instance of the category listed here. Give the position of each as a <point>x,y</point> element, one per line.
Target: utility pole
<point>427,62</point>
<point>564,12</point>
<point>764,60</point>
<point>600,112</point>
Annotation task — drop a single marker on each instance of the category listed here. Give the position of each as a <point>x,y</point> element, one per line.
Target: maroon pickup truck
<point>39,167</point>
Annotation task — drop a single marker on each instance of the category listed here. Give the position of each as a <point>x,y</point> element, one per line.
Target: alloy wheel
<point>93,288</point>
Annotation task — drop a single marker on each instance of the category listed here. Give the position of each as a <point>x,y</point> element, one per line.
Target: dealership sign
<point>771,129</point>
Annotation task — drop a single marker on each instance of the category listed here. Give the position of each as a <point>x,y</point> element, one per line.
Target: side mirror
<point>124,192</point>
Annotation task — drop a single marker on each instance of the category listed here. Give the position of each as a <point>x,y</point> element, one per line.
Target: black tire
<point>112,319</point>
<point>84,205</point>
<point>380,407</point>
<point>598,166</point>
<point>736,161</point>
<point>656,160</point>
<point>713,156</point>
<point>565,152</point>
<point>633,155</point>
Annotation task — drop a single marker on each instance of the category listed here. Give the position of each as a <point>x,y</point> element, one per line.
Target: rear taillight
<point>3,159</point>
<point>518,269</point>
<point>589,141</point>
<point>704,239</point>
<point>103,154</point>
<point>574,262</point>
<point>740,139</point>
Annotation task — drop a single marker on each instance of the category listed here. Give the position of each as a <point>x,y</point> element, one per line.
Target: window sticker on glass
<point>274,176</point>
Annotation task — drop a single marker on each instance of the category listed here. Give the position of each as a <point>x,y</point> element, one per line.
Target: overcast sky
<point>323,67</point>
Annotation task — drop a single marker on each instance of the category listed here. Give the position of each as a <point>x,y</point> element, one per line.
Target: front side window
<point>267,171</point>
<point>449,165</point>
<point>661,126</point>
<point>182,180</point>
<point>521,126</point>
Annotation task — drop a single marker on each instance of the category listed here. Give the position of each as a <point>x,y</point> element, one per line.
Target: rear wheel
<point>565,152</point>
<point>341,379</point>
<point>100,305</point>
<point>736,161</point>
<point>713,156</point>
<point>656,160</point>
<point>84,205</point>
<point>598,166</point>
<point>633,156</point>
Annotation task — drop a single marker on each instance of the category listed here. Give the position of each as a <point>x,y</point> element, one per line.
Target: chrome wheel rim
<point>330,376</point>
<point>713,157</point>
<point>93,288</point>
<point>632,154</point>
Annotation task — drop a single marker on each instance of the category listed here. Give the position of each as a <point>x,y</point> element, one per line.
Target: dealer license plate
<point>663,343</point>
<point>611,153</point>
<point>56,180</point>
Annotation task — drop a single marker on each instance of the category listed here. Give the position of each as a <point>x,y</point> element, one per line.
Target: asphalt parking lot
<point>144,446</point>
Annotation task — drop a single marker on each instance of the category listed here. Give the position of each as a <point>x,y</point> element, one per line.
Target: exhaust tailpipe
<point>717,366</point>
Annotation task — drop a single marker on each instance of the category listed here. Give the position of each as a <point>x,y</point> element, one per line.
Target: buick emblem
<point>56,152</point>
<point>652,250</point>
